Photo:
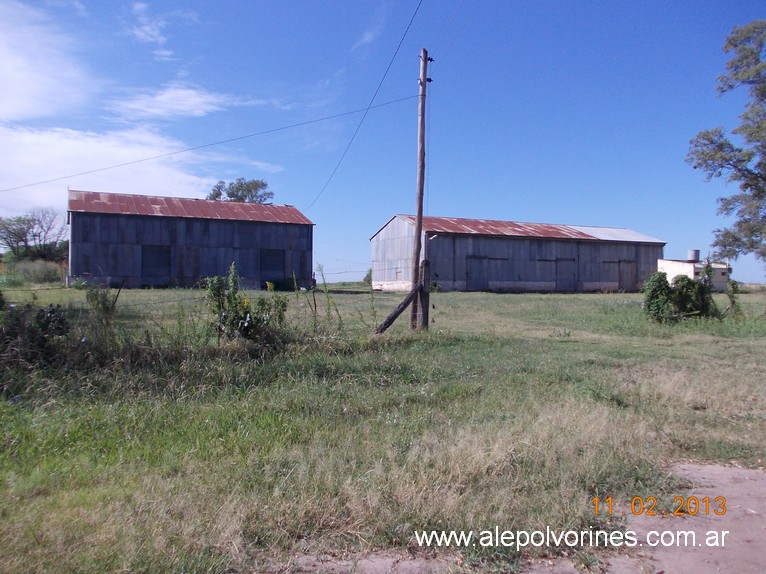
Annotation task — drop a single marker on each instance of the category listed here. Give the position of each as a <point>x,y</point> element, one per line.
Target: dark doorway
<point>155,265</point>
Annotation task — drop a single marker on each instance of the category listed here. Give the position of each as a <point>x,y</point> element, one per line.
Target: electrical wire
<point>221,142</point>
<point>369,106</point>
<point>443,54</point>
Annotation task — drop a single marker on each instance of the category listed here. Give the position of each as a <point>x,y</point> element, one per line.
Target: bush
<point>686,297</point>
<point>38,271</point>
<point>10,279</point>
<point>658,297</point>
<point>693,297</point>
<point>236,317</point>
<point>31,337</point>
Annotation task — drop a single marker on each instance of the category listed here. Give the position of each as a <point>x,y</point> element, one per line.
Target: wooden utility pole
<point>421,275</point>
<point>417,280</point>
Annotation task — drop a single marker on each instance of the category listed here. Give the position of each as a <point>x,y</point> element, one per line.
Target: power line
<point>369,106</point>
<point>252,135</point>
<point>443,54</point>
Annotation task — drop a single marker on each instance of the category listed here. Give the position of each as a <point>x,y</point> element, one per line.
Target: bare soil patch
<point>745,521</point>
<point>741,551</point>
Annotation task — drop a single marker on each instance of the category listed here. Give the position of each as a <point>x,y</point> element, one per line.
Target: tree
<point>47,232</point>
<point>241,190</point>
<point>35,235</point>
<point>715,154</point>
<point>14,234</point>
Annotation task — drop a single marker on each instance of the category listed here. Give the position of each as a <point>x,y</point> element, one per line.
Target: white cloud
<point>164,55</point>
<point>32,156</point>
<point>174,100</point>
<point>266,167</point>
<point>178,100</point>
<point>368,37</point>
<point>41,76</point>
<point>148,29</point>
<point>374,31</point>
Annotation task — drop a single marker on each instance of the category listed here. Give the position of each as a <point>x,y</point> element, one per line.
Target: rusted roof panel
<point>493,227</point>
<point>520,229</point>
<point>134,204</point>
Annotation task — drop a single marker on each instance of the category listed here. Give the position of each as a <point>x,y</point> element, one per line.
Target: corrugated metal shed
<point>133,204</point>
<point>521,229</point>
<point>486,254</point>
<point>139,241</point>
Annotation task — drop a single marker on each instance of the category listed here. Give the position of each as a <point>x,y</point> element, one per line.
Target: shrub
<point>79,284</point>
<point>693,297</point>
<point>686,297</point>
<point>236,317</point>
<point>11,279</point>
<point>658,297</point>
<point>38,271</point>
<point>31,337</point>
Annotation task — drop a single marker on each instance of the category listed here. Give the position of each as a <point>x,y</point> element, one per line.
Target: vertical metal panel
<point>392,254</point>
<point>108,246</point>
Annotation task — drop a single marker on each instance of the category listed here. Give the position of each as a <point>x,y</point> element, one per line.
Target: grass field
<point>179,455</point>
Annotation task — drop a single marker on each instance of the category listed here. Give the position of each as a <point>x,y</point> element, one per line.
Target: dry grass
<point>512,411</point>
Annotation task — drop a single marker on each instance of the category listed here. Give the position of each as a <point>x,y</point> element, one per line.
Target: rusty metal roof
<point>519,229</point>
<point>132,204</point>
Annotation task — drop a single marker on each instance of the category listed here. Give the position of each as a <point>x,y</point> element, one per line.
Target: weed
<point>172,453</point>
<point>262,322</point>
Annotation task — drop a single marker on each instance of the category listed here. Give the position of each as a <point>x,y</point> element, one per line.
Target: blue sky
<point>574,112</point>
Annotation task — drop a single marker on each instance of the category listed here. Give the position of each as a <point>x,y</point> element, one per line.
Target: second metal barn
<point>147,241</point>
<point>487,255</point>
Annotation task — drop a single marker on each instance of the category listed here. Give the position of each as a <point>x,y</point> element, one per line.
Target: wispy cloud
<point>40,75</point>
<point>373,32</point>
<point>177,100</point>
<point>368,37</point>
<point>266,167</point>
<point>75,5</point>
<point>44,78</point>
<point>149,30</point>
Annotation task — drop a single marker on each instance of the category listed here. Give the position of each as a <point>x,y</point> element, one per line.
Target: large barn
<point>487,255</point>
<point>147,241</point>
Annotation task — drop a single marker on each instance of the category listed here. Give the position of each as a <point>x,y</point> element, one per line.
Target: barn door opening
<point>476,274</point>
<point>566,280</point>
<point>628,276</point>
<point>155,265</point>
<point>272,265</point>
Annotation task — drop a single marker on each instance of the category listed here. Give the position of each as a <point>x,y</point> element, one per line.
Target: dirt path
<point>740,550</point>
<point>744,522</point>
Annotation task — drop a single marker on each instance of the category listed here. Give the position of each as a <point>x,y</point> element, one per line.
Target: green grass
<point>513,410</point>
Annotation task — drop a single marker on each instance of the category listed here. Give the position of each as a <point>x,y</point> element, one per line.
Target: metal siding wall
<point>109,246</point>
<point>392,253</point>
<point>524,264</point>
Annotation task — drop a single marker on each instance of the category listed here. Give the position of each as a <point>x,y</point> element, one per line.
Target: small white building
<point>694,269</point>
